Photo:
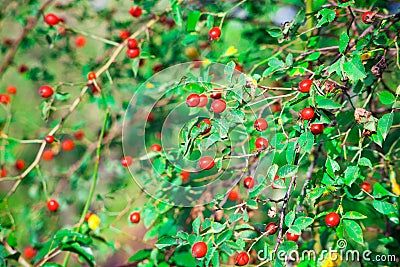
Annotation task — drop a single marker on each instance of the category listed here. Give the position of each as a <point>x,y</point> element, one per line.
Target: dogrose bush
<point>289,144</point>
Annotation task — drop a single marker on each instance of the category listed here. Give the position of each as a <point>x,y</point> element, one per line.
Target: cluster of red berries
<point>133,49</point>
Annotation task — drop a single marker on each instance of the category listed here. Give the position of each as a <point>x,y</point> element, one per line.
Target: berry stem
<point>92,36</point>
<point>41,177</point>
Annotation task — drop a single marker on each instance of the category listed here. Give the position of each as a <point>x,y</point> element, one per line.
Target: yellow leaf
<point>149,85</point>
<point>333,260</point>
<point>94,222</point>
<point>395,186</point>
<point>230,51</point>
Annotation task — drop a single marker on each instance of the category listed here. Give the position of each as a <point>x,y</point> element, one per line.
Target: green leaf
<point>381,192</point>
<point>325,103</point>
<point>306,141</point>
<point>192,20</point>
<point>272,170</point>
<point>351,174</point>
<point>354,215</point>
<point>135,66</point>
<point>384,207</point>
<point>343,42</point>
<point>289,218</point>
<point>386,98</point>
<point>337,67</point>
<point>331,166</point>
<point>303,222</point>
<point>325,15</point>
<point>81,251</point>
<point>365,162</point>
<point>140,255</point>
<point>196,225</point>
<point>384,124</point>
<point>275,32</point>
<point>229,69</point>
<point>217,227</point>
<point>289,60</point>
<point>288,171</point>
<point>353,231</point>
<point>234,217</point>
<point>210,21</point>
<point>165,242</point>
<point>62,96</point>
<point>177,13</point>
<point>276,63</point>
<point>354,69</point>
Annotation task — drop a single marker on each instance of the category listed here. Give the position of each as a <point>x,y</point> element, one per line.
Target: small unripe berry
<point>51,19</point>
<point>52,205</point>
<point>332,219</point>
<point>134,217</point>
<point>214,33</point>
<point>242,259</point>
<point>206,163</point>
<point>307,114</point>
<point>260,124</point>
<point>271,228</point>
<point>305,85</point>
<point>126,161</point>
<point>45,91</point>
<point>199,250</point>
<point>218,106</point>
<point>192,100</point>
<point>93,221</point>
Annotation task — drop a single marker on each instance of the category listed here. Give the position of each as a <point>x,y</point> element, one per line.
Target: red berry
<point>3,172</point>
<point>87,216</point>
<point>277,178</point>
<point>317,128</point>
<point>134,217</point>
<point>131,43</point>
<point>216,94</point>
<point>78,135</point>
<point>45,91</point>
<point>238,67</point>
<point>52,205</point>
<point>155,148</point>
<point>49,139</point>
<point>271,228</point>
<point>185,176</point>
<point>12,90</point>
<point>51,19</point>
<point>305,85</point>
<point>214,33</point>
<point>206,163</point>
<point>133,53</point>
<point>123,34</point>
<point>4,99</point>
<point>206,121</point>
<point>292,237</point>
<point>218,106</point>
<point>261,143</point>
<point>48,155</point>
<point>332,219</point>
<point>151,117</point>
<point>91,76</point>
<point>80,41</point>
<point>248,182</point>
<point>242,259</point>
<point>20,164</point>
<point>199,250</point>
<point>126,161</point>
<point>233,195</point>
<point>29,252</point>
<point>367,17</point>
<point>68,145</point>
<point>203,101</point>
<point>192,100</point>
<point>366,187</point>
<point>135,11</point>
<point>307,114</point>
<point>260,124</point>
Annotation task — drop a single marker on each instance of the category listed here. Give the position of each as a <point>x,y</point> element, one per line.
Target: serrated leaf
<point>384,124</point>
<point>354,69</point>
<point>343,41</point>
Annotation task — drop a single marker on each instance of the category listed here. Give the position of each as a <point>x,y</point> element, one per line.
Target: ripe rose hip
<point>367,17</point>
<point>134,217</point>
<point>52,205</point>
<point>233,195</point>
<point>305,85</point>
<point>366,187</point>
<point>292,237</point>
<point>45,91</point>
<point>12,90</point>
<point>185,176</point>
<point>131,43</point>
<point>307,114</point>
<point>199,250</point>
<point>242,259</point>
<point>155,148</point>
<point>29,253</point>
<point>20,164</point>
<point>133,53</point>
<point>68,145</point>
<point>126,161</point>
<point>3,173</point>
<point>208,122</point>
<point>203,101</point>
<point>135,11</point>
<point>79,135</point>
<point>49,139</point>
<point>4,99</point>
<point>332,219</point>
<point>317,128</point>
<point>80,41</point>
<point>214,33</point>
<point>261,143</point>
<point>206,163</point>
<point>260,124</point>
<point>51,19</point>
<point>91,76</point>
<point>248,182</point>
<point>192,100</point>
<point>48,155</point>
<point>123,34</point>
<point>216,94</point>
<point>271,228</point>
<point>218,106</point>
